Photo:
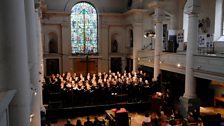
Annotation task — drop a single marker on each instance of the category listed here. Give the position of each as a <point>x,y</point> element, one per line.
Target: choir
<point>101,88</point>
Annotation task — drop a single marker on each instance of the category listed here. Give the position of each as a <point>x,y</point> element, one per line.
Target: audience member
<point>147,120</point>
<point>190,117</point>
<point>88,122</point>
<point>69,123</point>
<point>172,121</point>
<point>155,119</point>
<point>163,118</point>
<point>96,122</point>
<point>78,123</point>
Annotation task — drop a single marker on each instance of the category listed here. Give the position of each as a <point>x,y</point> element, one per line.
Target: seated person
<point>177,115</point>
<point>78,123</point>
<point>172,121</point>
<point>69,123</point>
<point>155,119</point>
<point>163,118</point>
<point>200,122</point>
<point>96,122</point>
<point>147,120</point>
<point>190,117</point>
<point>88,122</point>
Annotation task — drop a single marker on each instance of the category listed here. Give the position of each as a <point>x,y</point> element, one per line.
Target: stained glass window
<point>83,28</point>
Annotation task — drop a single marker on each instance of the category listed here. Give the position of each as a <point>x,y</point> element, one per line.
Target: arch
<point>53,42</point>
<point>84,28</point>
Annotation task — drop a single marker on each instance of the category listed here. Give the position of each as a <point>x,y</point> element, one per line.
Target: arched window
<point>84,29</point>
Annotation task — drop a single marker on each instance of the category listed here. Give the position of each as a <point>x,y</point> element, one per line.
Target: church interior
<point>117,62</point>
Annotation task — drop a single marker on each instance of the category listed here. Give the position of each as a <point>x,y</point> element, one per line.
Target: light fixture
<point>31,117</point>
<point>198,67</point>
<point>178,65</point>
<point>149,33</point>
<point>146,35</point>
<point>35,93</point>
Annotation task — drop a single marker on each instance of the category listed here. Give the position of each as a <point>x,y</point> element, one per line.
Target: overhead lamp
<point>150,33</point>
<point>146,35</point>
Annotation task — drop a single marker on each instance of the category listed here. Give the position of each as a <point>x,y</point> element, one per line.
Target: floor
<point>136,118</point>
<point>212,110</point>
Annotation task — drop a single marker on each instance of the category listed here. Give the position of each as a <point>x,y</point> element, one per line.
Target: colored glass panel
<point>84,29</point>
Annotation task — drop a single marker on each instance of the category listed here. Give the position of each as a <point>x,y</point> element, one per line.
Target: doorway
<point>129,65</point>
<point>52,66</point>
<point>116,64</point>
<point>85,65</point>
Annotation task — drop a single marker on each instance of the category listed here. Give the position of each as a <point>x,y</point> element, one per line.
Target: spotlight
<point>178,65</point>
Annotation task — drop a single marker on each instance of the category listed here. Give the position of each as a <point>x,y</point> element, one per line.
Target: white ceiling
<point>115,6</point>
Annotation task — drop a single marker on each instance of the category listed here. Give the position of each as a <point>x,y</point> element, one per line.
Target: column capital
<point>192,7</point>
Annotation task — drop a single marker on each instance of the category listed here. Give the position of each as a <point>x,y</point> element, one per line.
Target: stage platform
<point>212,110</point>
<point>71,112</point>
<point>140,107</point>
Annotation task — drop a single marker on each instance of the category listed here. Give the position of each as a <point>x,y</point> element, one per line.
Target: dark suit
<point>69,125</point>
<point>88,123</point>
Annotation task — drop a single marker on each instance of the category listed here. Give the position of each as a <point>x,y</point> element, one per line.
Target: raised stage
<point>72,112</point>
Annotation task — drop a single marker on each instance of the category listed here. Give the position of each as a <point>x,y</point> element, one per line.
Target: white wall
<point>115,6</point>
<point>114,20</point>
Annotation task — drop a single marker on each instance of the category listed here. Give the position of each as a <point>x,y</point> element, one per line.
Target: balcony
<point>206,65</point>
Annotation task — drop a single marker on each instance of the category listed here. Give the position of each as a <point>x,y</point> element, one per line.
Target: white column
<point>66,62</point>
<point>192,10</point>
<point>3,85</point>
<point>218,19</point>
<point>173,25</point>
<point>103,63</point>
<point>189,101</point>
<point>16,60</point>
<point>173,22</point>
<point>40,55</point>
<point>137,43</point>
<point>158,42</point>
<point>172,32</point>
<point>190,85</point>
<point>33,60</point>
